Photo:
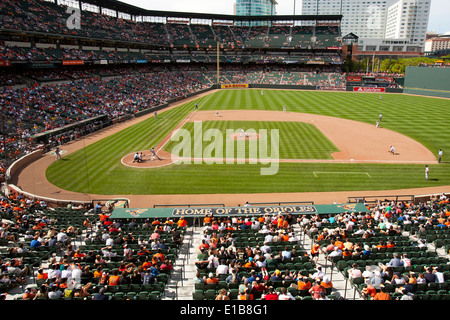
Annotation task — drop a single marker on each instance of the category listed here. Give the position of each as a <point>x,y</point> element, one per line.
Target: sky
<point>439,13</point>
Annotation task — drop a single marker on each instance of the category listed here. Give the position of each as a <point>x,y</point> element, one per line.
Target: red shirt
<point>271,296</point>
<point>316,290</point>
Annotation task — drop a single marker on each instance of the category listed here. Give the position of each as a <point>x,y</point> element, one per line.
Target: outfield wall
<point>428,81</point>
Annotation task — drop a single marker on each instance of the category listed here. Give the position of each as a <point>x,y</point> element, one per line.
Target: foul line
<point>340,172</point>
<point>176,130</point>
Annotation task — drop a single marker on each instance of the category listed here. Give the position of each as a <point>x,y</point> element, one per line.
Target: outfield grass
<point>97,168</point>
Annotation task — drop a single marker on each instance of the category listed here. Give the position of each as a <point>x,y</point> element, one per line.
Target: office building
<point>396,21</point>
<point>255,7</point>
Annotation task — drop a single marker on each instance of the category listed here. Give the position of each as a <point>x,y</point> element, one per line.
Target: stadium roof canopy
<point>137,11</point>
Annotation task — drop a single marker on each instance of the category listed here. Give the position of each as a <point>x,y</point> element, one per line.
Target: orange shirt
<point>371,291</point>
<point>382,296</point>
<point>42,276</point>
<point>280,223</point>
<point>79,255</point>
<point>339,244</point>
<point>98,274</point>
<point>207,220</point>
<point>304,286</point>
<point>315,248</point>
<point>159,256</point>
<point>146,265</point>
<point>346,253</point>
<point>181,223</point>
<point>212,280</point>
<point>114,280</point>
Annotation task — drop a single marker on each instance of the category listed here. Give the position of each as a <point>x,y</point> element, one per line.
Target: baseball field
<point>328,141</point>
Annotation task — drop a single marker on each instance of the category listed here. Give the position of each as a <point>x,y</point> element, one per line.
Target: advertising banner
<point>72,62</point>
<point>354,78</point>
<point>368,89</point>
<point>239,85</point>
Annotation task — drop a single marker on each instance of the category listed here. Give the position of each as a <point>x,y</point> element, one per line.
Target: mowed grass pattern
<point>297,140</point>
<point>97,168</point>
<point>421,118</point>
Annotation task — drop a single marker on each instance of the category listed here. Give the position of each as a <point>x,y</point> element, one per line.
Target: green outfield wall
<point>427,81</point>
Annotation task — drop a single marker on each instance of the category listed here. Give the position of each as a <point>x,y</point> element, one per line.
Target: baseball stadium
<point>157,155</point>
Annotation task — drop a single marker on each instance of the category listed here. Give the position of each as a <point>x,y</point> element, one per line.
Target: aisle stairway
<point>181,283</point>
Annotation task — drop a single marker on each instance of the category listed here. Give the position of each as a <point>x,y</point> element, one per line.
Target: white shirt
<point>318,274</point>
<point>76,274</point>
<point>287,296</point>
<point>268,238</point>
<point>440,277</point>
<point>54,274</point>
<point>61,237</point>
<point>66,274</point>
<point>222,269</point>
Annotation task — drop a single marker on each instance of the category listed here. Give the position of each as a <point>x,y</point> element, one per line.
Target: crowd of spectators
<point>50,247</point>
<point>44,16</point>
<point>262,270</point>
<point>45,107</point>
<point>31,233</point>
<point>348,236</point>
<point>52,54</point>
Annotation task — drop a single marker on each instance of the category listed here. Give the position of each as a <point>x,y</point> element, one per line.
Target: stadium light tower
<point>218,66</point>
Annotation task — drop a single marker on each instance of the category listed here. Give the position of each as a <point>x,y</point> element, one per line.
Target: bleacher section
<point>416,231</point>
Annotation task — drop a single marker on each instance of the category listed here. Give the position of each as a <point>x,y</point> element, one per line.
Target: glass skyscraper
<point>255,7</point>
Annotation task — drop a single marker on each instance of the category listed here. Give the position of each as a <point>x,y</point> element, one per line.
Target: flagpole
<point>373,63</point>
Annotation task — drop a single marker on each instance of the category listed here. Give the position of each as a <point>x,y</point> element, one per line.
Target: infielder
<point>392,150</point>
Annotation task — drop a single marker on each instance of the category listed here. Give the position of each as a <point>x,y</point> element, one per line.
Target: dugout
<point>194,215</point>
<point>79,128</point>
